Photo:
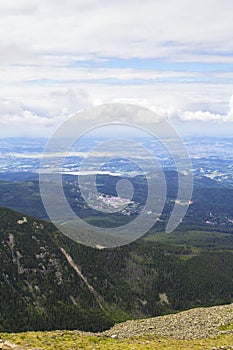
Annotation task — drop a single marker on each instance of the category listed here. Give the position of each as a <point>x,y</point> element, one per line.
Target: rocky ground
<point>190,324</point>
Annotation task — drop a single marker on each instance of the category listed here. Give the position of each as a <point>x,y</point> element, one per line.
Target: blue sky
<point>158,64</point>
<point>59,57</point>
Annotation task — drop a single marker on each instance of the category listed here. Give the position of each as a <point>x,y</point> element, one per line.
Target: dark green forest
<point>41,290</point>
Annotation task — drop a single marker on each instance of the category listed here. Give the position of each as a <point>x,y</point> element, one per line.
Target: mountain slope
<point>49,282</point>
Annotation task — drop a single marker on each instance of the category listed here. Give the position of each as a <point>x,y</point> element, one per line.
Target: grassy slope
<point>73,340</point>
<point>195,238</point>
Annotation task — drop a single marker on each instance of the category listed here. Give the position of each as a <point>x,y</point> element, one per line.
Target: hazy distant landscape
<point>211,205</point>
<point>211,157</point>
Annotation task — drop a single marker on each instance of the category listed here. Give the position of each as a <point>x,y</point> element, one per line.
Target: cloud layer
<point>58,57</point>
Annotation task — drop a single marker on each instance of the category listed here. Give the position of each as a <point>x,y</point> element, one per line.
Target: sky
<point>172,56</point>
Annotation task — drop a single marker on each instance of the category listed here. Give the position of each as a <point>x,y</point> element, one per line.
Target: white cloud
<point>200,116</point>
<point>40,42</point>
<point>15,120</point>
<point>12,114</point>
<point>207,116</point>
<point>130,28</point>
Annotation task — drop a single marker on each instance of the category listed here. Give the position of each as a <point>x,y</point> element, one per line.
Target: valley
<point>50,282</point>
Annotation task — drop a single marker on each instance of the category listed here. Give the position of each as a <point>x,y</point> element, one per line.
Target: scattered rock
<point>114,336</point>
<point>7,345</point>
<point>23,221</point>
<point>191,324</point>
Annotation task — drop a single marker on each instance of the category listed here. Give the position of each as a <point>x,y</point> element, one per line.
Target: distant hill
<point>211,207</point>
<point>48,281</point>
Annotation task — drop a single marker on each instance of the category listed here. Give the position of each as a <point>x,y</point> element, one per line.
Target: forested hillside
<point>50,282</point>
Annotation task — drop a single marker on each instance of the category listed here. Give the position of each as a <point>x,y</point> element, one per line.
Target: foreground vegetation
<point>65,340</point>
